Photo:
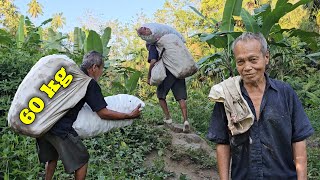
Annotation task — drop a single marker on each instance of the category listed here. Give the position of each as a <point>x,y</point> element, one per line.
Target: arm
<point>152,62</point>
<point>106,113</point>
<point>300,159</point>
<point>223,158</point>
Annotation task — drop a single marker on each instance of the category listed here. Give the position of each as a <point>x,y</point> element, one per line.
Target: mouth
<point>249,75</point>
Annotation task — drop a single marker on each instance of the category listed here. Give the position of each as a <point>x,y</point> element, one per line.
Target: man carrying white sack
<point>62,141</point>
<point>152,33</point>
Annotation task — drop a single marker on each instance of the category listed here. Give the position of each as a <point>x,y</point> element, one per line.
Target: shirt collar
<point>269,84</point>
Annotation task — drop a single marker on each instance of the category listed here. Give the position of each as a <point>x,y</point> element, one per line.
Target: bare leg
<point>50,168</point>
<point>164,106</point>
<point>81,173</point>
<point>183,107</point>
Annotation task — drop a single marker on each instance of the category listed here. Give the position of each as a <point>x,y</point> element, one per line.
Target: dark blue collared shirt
<point>265,151</point>
<point>153,52</point>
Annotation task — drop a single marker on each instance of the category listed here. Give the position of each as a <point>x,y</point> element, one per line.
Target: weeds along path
<point>187,156</point>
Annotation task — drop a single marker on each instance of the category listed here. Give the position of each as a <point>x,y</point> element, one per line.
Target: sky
<point>75,10</point>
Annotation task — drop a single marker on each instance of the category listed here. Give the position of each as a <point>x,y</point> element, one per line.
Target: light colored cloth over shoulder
<point>240,118</point>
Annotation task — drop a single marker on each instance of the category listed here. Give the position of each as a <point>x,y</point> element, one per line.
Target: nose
<point>247,67</point>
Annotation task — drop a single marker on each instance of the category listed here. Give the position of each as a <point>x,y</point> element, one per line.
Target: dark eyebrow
<point>253,56</point>
<point>239,59</point>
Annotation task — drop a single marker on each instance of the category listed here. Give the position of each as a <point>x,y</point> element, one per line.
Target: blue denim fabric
<point>265,151</point>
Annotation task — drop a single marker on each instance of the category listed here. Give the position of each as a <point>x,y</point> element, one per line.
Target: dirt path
<point>188,157</point>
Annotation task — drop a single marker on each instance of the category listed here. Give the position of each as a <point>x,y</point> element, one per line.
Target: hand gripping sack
<point>89,124</point>
<point>176,57</point>
<point>157,31</point>
<point>52,86</point>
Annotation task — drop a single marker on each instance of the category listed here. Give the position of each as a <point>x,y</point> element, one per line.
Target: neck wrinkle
<point>258,85</point>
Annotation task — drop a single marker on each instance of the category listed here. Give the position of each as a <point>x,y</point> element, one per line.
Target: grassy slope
<point>120,153</point>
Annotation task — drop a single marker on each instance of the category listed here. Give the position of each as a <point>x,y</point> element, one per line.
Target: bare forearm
<point>152,62</point>
<point>300,159</point>
<point>113,115</point>
<point>223,158</point>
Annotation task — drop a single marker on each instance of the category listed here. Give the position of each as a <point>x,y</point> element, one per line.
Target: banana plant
<point>93,42</point>
<point>54,40</point>
<point>221,38</point>
<point>126,79</point>
<point>85,41</point>
<point>264,20</point>
<point>33,35</point>
<point>20,32</point>
<point>105,40</point>
<point>79,37</point>
<point>127,84</point>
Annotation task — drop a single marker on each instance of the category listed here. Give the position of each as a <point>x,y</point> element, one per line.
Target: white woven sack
<point>176,57</point>
<point>31,117</point>
<point>158,73</point>
<point>158,30</point>
<point>89,124</point>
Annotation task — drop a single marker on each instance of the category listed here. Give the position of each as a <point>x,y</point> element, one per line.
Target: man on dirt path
<point>177,86</point>
<point>275,145</point>
<point>62,141</point>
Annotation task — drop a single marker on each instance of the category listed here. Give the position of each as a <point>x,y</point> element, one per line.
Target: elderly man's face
<point>144,31</point>
<point>251,63</point>
<point>96,72</point>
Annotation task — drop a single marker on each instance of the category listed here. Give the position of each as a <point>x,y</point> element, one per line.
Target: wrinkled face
<point>250,61</point>
<point>96,72</point>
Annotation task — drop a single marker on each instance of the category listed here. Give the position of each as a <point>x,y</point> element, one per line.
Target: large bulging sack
<point>152,32</point>
<point>176,57</point>
<point>89,124</point>
<point>53,86</point>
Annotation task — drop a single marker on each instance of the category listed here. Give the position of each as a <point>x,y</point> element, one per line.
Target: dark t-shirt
<point>93,98</point>
<point>153,52</point>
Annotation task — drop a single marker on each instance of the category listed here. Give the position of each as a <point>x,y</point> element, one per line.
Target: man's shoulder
<point>152,48</point>
<point>93,82</point>
<point>280,85</point>
<point>93,85</point>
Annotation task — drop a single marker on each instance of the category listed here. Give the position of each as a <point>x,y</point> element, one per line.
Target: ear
<point>92,68</point>
<point>267,57</point>
<point>95,67</point>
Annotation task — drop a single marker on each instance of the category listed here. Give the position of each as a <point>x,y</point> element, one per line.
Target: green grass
<point>120,154</point>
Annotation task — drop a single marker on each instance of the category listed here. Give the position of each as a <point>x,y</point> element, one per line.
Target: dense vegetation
<point>120,154</point>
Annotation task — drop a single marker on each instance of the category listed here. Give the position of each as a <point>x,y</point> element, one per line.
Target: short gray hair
<point>249,36</point>
<point>91,58</point>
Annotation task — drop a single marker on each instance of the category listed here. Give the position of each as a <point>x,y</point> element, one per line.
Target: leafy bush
<point>118,154</point>
<point>14,65</point>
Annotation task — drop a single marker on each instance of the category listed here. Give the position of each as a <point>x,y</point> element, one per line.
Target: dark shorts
<point>177,86</point>
<point>70,150</point>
